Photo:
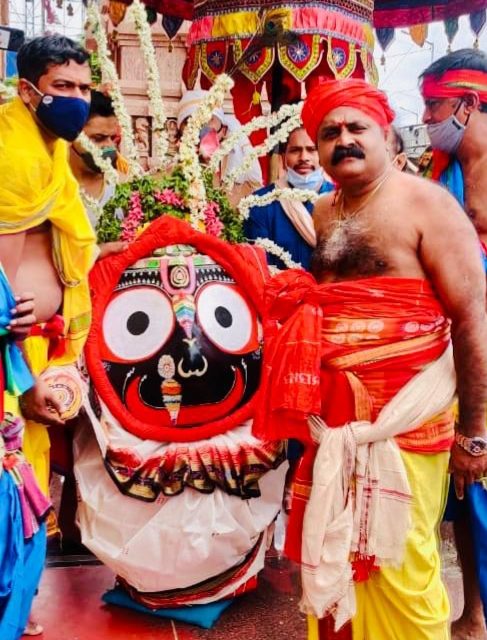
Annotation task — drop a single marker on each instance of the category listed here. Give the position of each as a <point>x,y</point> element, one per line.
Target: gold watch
<point>475,446</point>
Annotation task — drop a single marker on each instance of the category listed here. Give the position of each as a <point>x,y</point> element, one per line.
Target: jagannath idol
<point>176,495</point>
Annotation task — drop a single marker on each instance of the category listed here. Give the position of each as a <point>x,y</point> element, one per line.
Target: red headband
<point>455,84</point>
<point>355,93</point>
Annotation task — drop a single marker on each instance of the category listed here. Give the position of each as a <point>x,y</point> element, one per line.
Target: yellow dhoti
<point>411,603</point>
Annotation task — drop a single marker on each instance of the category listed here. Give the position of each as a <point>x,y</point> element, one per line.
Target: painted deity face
<point>179,342</point>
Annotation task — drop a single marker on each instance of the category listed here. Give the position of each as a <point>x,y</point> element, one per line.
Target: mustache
<point>340,153</point>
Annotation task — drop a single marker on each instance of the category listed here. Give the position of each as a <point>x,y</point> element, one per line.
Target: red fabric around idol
<point>355,93</point>
<point>321,324</point>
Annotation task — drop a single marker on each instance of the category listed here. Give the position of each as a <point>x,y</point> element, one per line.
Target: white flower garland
<point>91,203</point>
<point>260,122</point>
<point>280,135</point>
<point>111,174</point>
<point>189,145</point>
<point>303,195</point>
<point>161,146</point>
<point>94,20</point>
<point>271,247</point>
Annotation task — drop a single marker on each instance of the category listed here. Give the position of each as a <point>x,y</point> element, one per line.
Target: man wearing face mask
<point>287,222</point>
<point>454,89</point>
<point>47,244</point>
<point>103,130</point>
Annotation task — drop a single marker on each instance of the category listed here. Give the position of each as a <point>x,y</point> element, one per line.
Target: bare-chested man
<point>365,346</point>
<point>455,94</point>
<point>46,242</point>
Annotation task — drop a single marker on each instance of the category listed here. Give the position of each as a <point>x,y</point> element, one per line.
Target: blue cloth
<point>475,502</point>
<point>202,615</point>
<point>452,179</point>
<point>21,563</point>
<point>17,374</point>
<point>272,222</point>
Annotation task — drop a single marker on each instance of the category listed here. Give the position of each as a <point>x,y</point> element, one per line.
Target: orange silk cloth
<point>344,349</point>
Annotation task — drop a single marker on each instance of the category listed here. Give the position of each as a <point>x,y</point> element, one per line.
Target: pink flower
<point>213,224</point>
<point>169,196</point>
<point>133,219</point>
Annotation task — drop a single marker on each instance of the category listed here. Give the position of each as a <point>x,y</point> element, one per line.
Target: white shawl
<point>360,496</point>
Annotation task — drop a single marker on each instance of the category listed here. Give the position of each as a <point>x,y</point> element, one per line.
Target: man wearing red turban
<point>358,366</point>
<point>454,89</point>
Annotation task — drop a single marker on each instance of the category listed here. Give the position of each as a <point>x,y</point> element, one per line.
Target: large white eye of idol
<point>225,317</point>
<point>137,322</point>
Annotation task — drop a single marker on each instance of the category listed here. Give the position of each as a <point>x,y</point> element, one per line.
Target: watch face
<point>478,445</point>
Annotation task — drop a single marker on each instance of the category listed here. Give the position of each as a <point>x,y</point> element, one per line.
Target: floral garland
<point>303,195</point>
<point>280,135</point>
<point>137,203</point>
<point>91,203</point>
<point>94,20</point>
<point>188,148</point>
<point>102,163</point>
<point>260,122</point>
<point>133,219</point>
<point>139,15</point>
<point>271,247</point>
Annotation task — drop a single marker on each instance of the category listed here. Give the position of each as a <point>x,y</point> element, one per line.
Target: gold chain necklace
<point>340,200</point>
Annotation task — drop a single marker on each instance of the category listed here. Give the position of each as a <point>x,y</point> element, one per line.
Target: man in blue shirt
<point>284,221</point>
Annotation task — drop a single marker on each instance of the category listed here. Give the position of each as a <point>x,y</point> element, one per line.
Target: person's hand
<point>40,404</point>
<point>22,316</point>
<point>110,248</point>
<point>466,469</point>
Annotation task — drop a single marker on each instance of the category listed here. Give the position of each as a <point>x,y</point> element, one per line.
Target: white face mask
<point>312,180</point>
<point>448,134</point>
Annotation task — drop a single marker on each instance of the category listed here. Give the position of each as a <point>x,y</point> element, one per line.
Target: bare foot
<point>469,628</point>
<point>33,628</point>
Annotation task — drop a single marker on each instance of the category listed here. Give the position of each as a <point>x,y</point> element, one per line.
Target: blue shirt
<point>271,222</point>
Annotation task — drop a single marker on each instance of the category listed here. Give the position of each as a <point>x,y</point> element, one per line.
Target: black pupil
<point>137,323</point>
<point>223,317</point>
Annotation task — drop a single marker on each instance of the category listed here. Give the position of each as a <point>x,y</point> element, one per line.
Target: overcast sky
<point>405,61</point>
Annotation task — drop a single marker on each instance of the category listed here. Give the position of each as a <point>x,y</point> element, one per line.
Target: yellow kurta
<point>37,186</point>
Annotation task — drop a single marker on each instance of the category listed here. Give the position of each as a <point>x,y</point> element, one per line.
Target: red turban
<point>355,93</point>
<point>455,84</point>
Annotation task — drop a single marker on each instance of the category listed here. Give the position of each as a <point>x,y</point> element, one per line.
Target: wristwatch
<point>476,446</point>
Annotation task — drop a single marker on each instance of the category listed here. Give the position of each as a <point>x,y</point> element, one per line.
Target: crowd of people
<point>379,370</point>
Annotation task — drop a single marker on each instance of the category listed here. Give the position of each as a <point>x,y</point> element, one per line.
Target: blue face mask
<point>311,181</point>
<point>62,116</point>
